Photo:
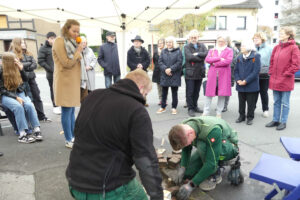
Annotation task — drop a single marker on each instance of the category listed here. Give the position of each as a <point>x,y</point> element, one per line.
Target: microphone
<point>78,40</point>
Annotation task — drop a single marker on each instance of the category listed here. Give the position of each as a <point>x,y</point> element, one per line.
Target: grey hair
<point>248,44</point>
<point>173,39</point>
<point>194,33</point>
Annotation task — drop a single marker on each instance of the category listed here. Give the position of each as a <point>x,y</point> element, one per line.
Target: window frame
<point>215,27</point>
<point>245,23</point>
<point>225,17</point>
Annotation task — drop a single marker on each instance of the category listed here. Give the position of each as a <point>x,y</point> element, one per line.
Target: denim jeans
<point>281,106</point>
<point>21,111</point>
<point>68,122</point>
<point>108,79</point>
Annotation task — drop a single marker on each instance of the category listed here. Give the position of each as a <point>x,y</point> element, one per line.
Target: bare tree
<point>291,14</point>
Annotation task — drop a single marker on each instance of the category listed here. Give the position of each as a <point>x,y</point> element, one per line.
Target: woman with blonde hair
<point>19,47</point>
<point>170,63</point>
<point>14,97</point>
<point>69,76</point>
<point>285,62</point>
<point>265,52</point>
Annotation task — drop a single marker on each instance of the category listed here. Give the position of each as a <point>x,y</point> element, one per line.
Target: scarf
<point>138,50</point>
<point>159,51</point>
<point>220,49</point>
<point>246,56</point>
<point>71,46</point>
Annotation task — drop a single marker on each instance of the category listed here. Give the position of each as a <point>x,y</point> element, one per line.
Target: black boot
<point>191,113</point>
<point>198,110</point>
<point>240,119</point>
<point>1,154</point>
<point>272,124</point>
<point>281,126</point>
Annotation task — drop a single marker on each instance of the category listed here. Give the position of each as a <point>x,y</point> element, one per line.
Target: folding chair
<point>292,146</point>
<point>282,173</point>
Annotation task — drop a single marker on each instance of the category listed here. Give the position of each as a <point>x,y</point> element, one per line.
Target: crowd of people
<point>121,133</point>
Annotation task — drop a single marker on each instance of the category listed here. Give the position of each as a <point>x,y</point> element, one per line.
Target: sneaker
<point>46,120</point>
<point>38,136</point>
<point>265,114</point>
<point>146,105</point>
<point>161,110</point>
<point>174,111</point>
<point>69,144</point>
<point>185,105</point>
<point>224,109</point>
<point>57,110</point>
<point>73,140</point>
<point>208,185</point>
<point>26,139</point>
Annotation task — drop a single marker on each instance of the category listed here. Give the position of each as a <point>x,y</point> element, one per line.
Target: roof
<point>248,4</point>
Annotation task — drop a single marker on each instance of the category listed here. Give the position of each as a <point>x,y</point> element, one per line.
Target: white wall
<point>232,14</point>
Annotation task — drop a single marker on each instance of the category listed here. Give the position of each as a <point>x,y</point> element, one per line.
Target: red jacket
<point>285,62</point>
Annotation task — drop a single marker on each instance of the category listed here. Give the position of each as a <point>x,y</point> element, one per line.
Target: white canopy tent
<point>114,15</point>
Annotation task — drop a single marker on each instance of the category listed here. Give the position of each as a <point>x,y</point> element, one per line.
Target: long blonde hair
<point>11,73</point>
<point>16,48</point>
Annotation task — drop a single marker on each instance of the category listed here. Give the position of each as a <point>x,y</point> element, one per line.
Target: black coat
<point>113,132</point>
<point>195,68</point>
<point>45,59</point>
<point>108,58</point>
<point>133,59</point>
<point>12,94</point>
<point>156,70</point>
<point>29,65</point>
<point>170,59</point>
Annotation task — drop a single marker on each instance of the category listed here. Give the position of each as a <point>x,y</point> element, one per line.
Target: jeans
<point>220,104</point>
<point>165,95</point>
<point>21,111</point>
<point>281,106</point>
<point>68,122</point>
<point>192,93</point>
<point>250,98</point>
<point>264,86</point>
<point>108,79</point>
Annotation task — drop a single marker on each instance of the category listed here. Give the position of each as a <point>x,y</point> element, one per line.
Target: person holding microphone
<point>69,76</point>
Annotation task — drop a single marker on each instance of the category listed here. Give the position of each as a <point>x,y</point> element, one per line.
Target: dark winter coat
<point>108,58</point>
<point>248,69</point>
<point>113,132</point>
<point>156,70</point>
<point>29,65</point>
<point>12,94</point>
<point>133,59</point>
<point>170,59</point>
<point>285,62</point>
<point>45,59</point>
<point>195,68</point>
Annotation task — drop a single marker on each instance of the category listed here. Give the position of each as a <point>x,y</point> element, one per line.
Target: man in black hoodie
<point>113,132</point>
<point>45,60</point>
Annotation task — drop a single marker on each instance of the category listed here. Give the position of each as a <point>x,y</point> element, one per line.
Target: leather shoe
<point>281,126</point>
<point>272,124</point>
<point>1,154</point>
<point>249,121</point>
<point>198,110</point>
<point>239,120</point>
<point>191,113</point>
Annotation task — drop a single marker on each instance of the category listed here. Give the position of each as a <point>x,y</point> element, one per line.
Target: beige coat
<point>66,83</point>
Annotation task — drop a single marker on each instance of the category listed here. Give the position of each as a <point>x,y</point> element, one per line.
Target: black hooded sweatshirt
<point>113,131</point>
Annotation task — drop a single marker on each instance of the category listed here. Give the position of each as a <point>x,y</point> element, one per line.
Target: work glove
<point>179,177</point>
<point>185,191</point>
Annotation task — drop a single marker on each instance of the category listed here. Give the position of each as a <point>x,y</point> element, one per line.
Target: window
<point>211,23</point>
<point>276,16</point>
<point>274,40</point>
<point>276,2</point>
<point>222,22</point>
<point>275,28</point>
<point>241,23</point>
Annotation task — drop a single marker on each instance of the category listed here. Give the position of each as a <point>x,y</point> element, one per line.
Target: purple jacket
<point>221,69</point>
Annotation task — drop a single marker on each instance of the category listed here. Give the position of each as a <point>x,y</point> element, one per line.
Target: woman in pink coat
<point>219,75</point>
